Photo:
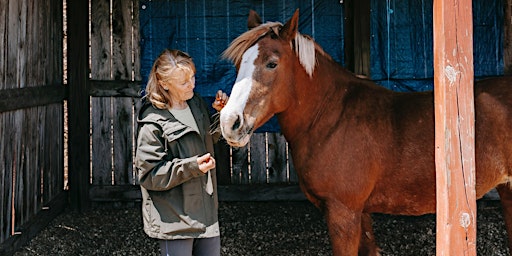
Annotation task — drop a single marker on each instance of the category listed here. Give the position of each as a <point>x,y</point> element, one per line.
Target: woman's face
<point>182,86</point>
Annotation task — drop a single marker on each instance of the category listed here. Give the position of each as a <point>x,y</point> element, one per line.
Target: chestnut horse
<point>358,148</point>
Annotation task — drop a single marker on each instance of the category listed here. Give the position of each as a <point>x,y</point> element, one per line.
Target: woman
<point>175,160</point>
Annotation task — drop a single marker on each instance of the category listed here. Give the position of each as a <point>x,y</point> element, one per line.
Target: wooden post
<point>454,127</point>
<point>78,103</point>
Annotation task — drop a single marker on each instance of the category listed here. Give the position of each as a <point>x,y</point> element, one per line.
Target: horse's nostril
<point>236,124</point>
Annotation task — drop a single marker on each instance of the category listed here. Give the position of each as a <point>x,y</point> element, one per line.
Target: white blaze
<point>242,86</point>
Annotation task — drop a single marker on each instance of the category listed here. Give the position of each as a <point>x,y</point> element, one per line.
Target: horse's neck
<point>315,99</point>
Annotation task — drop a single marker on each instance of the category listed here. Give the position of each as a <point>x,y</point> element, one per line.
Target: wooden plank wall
<point>265,160</point>
<point>31,118</point>
<point>114,56</point>
<point>115,73</point>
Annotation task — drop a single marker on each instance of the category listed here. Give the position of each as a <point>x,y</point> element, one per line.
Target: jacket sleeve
<point>158,170</point>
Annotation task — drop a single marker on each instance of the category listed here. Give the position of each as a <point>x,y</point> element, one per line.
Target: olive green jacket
<point>175,204</point>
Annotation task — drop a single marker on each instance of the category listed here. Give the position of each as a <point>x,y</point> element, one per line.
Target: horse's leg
<point>367,246</point>
<point>505,192</point>
<point>344,226</point>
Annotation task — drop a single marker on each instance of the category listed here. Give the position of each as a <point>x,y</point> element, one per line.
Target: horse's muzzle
<point>234,129</point>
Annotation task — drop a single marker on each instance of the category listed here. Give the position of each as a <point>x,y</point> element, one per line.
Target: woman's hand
<point>206,162</point>
<point>220,100</point>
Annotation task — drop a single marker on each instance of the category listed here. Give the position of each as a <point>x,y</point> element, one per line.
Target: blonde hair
<point>167,68</point>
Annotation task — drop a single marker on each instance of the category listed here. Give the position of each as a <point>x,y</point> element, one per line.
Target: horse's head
<point>267,58</point>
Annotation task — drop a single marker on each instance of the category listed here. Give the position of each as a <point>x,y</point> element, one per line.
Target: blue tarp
<point>402,42</point>
<point>204,29</point>
<point>401,37</point>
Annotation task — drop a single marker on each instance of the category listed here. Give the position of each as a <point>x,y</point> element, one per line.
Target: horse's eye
<point>271,65</point>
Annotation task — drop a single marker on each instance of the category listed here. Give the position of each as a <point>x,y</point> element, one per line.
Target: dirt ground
<point>255,228</point>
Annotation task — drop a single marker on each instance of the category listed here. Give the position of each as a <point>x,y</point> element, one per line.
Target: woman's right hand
<point>206,162</point>
<point>221,99</point>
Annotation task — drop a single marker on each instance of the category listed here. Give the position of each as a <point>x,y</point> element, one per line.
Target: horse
<point>357,147</point>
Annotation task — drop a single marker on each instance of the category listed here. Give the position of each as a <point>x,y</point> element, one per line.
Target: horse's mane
<point>304,46</point>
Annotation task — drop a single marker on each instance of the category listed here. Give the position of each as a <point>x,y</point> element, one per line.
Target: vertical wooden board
<point>3,184</point>
<point>17,167</point>
<point>52,175</point>
<point>3,43</point>
<point>23,45</point>
<point>45,151</point>
<point>32,58</point>
<point>54,38</point>
<point>101,141</point>
<point>136,41</point>
<point>22,48</point>
<point>30,179</point>
<point>122,64</point>
<point>33,162</point>
<point>122,67</point>
<point>10,154</point>
<point>6,175</point>
<point>240,165</point>
<point>277,158</point>
<point>22,171</point>
<point>101,108</point>
<point>123,141</point>
<point>11,56</point>
<point>100,40</point>
<point>44,22</point>
<point>44,43</point>
<point>258,158</point>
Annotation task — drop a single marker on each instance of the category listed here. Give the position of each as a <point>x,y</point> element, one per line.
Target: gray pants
<point>189,247</point>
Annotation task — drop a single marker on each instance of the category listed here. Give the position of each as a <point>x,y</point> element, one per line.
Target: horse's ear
<point>291,27</point>
<point>253,20</point>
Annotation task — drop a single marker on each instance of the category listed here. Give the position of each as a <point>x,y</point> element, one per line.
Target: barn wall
<point>31,118</point>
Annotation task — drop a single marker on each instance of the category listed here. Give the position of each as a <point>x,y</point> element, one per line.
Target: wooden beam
<point>115,88</point>
<point>454,127</point>
<point>20,98</point>
<point>78,104</point>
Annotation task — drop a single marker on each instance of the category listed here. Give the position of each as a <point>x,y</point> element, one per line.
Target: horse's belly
<point>420,200</point>
<point>402,204</point>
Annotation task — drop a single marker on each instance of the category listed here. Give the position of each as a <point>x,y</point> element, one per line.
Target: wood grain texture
<point>101,108</point>
<point>28,96</point>
<point>258,158</point>
<point>454,128</point>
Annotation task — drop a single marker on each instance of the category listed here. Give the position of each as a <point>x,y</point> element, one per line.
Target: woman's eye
<point>271,65</point>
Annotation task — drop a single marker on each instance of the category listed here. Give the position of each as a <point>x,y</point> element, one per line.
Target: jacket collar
<point>149,114</point>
